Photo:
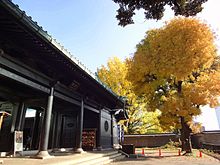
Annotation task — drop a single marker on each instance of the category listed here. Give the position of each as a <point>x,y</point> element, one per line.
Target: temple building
<point>47,94</point>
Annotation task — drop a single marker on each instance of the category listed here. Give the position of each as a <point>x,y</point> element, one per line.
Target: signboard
<point>18,141</point>
<point>6,106</point>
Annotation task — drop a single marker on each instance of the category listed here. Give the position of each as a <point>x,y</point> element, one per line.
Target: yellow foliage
<point>114,76</point>
<point>177,67</point>
<point>183,45</point>
<point>206,89</point>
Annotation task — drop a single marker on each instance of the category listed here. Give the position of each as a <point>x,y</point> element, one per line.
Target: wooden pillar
<point>53,145</point>
<point>100,130</point>
<point>44,137</point>
<point>112,125</point>
<point>20,115</point>
<point>80,128</point>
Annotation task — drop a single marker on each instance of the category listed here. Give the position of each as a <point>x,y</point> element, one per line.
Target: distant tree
<point>176,66</point>
<point>140,120</point>
<point>154,9</point>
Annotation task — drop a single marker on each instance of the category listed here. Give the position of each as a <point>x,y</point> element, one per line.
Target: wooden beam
<point>62,89</point>
<point>13,76</point>
<point>66,98</point>
<point>36,76</point>
<point>24,70</point>
<point>91,108</point>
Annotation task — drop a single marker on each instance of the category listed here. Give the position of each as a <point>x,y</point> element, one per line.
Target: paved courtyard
<point>151,158</point>
<point>169,158</point>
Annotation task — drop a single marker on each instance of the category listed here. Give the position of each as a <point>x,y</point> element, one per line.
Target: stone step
<point>88,158</point>
<point>103,160</point>
<point>117,158</point>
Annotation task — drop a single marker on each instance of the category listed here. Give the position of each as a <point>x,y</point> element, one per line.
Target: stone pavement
<point>57,158</point>
<point>165,161</point>
<point>151,158</point>
<point>169,158</point>
<point>65,158</point>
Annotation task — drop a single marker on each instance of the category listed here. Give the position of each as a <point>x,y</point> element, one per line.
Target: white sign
<point>18,141</point>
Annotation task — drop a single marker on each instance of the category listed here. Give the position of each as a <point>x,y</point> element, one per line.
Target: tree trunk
<point>185,130</point>
<point>185,136</point>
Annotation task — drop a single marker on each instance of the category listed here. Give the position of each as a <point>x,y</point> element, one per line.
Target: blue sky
<point>90,31</point>
<point>88,28</point>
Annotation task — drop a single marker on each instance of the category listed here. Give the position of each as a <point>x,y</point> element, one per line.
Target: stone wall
<point>200,140</point>
<point>206,138</point>
<point>151,140</point>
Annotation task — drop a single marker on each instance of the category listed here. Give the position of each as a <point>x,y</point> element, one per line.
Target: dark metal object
<point>128,148</point>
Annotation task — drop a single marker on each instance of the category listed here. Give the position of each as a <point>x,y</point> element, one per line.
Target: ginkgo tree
<point>177,68</point>
<point>140,121</point>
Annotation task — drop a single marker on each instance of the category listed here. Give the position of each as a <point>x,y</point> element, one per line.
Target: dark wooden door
<point>68,131</point>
